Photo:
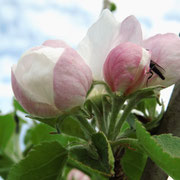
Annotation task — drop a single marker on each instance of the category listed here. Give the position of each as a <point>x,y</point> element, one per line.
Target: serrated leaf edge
<point>166,154</point>
<point>29,154</point>
<point>110,153</point>
<point>95,170</point>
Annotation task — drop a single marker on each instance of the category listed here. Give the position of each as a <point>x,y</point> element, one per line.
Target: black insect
<point>155,68</point>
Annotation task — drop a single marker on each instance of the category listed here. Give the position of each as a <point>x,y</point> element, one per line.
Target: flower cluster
<point>53,77</point>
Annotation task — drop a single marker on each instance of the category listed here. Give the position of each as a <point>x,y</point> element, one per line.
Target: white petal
<point>98,42</point>
<point>34,72</point>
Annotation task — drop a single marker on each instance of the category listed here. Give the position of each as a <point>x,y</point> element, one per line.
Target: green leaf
<point>41,133</point>
<point>104,150</point>
<point>49,121</point>
<point>124,127</point>
<point>94,175</point>
<point>67,124</point>
<point>5,165</point>
<point>99,108</point>
<point>71,126</point>
<point>84,157</point>
<point>150,105</point>
<point>141,107</point>
<point>17,106</point>
<point>45,161</point>
<point>9,137</point>
<point>131,120</point>
<point>7,128</point>
<point>97,157</point>
<point>163,150</point>
<point>95,108</point>
<point>133,163</point>
<point>169,143</point>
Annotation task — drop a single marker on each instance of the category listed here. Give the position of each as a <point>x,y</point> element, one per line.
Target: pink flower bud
<point>165,51</point>
<point>50,79</point>
<point>75,174</point>
<point>126,67</point>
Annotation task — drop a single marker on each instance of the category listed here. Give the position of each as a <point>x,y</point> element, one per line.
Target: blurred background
<point>28,23</point>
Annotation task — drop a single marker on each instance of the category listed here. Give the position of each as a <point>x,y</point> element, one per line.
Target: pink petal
<point>125,67</point>
<point>165,50</point>
<point>130,31</point>
<point>75,174</point>
<point>34,108</point>
<point>103,36</point>
<point>72,80</point>
<point>34,72</point>
<point>55,44</point>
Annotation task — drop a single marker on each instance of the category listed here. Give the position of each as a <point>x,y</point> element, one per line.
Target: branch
<point>169,124</point>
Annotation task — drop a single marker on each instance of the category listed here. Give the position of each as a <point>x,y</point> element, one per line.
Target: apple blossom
<point>50,79</point>
<point>165,51</point>
<point>126,66</point>
<point>105,40</point>
<point>103,36</point>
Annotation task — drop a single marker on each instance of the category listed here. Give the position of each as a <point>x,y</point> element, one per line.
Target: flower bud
<point>50,79</point>
<point>126,67</point>
<point>75,174</point>
<point>165,52</point>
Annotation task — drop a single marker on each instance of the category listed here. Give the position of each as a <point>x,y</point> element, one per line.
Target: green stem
<point>98,117</point>
<point>117,103</point>
<point>125,134</point>
<point>125,141</point>
<point>86,124</point>
<point>132,102</point>
<point>106,107</point>
<point>108,89</point>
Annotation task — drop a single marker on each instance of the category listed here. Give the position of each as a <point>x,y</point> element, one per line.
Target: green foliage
<point>104,150</point>
<point>71,126</point>
<point>9,141</point>
<point>17,106</point>
<point>45,161</point>
<point>85,138</point>
<point>169,143</point>
<point>97,157</point>
<point>124,127</point>
<point>131,120</point>
<point>43,133</point>
<point>133,163</point>
<point>68,124</point>
<point>7,128</point>
<point>5,165</point>
<point>95,109</point>
<point>149,108</point>
<point>162,149</point>
<point>49,121</point>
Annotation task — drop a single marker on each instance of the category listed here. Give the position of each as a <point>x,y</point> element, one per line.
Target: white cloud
<point>5,90</point>
<point>56,25</point>
<point>153,10</point>
<point>6,63</point>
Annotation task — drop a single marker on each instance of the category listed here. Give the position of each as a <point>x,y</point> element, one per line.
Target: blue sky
<point>28,23</point>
